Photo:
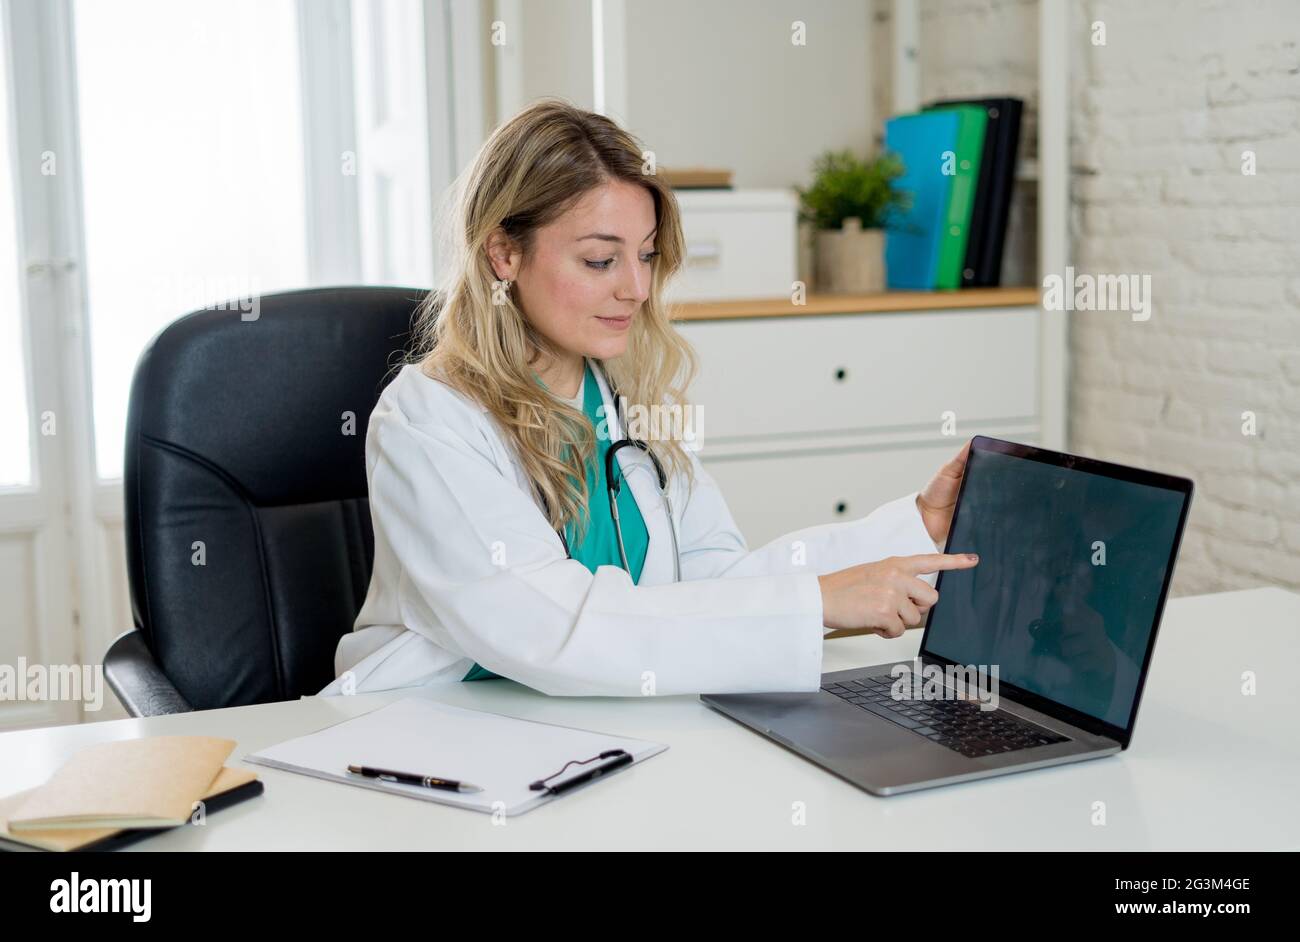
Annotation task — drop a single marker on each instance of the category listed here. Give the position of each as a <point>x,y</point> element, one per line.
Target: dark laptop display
<point>1074,567</point>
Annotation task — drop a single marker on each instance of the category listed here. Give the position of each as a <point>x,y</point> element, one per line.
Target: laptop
<point>1035,657</point>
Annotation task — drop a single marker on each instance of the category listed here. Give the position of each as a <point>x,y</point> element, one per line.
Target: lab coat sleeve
<point>484,575</point>
<point>711,545</point>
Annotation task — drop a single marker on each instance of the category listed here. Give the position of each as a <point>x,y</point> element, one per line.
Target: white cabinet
<point>813,419</point>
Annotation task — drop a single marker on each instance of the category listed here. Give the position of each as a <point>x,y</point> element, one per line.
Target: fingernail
<point>973,557</point>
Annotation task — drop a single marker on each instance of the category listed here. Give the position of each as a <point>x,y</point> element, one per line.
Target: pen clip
<point>540,784</point>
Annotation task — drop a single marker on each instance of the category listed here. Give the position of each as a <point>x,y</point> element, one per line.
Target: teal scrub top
<point>599,546</point>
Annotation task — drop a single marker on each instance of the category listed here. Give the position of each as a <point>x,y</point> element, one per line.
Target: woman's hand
<point>939,498</point>
<point>885,597</point>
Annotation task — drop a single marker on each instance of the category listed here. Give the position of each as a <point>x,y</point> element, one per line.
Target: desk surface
<point>1209,768</point>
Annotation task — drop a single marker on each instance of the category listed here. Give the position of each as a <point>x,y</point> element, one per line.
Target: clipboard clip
<point>618,758</point>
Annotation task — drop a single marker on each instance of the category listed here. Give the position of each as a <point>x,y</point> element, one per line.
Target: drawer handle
<point>840,374</point>
<point>842,507</point>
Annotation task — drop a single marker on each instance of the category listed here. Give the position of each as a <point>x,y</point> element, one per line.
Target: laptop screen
<point>1072,568</point>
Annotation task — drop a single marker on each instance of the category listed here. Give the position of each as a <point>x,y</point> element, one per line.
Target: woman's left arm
<point>711,545</point>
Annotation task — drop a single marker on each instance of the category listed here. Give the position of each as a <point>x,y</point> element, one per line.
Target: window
<point>198,152</point>
<point>393,142</point>
<point>15,427</point>
<point>192,172</point>
<point>229,148</point>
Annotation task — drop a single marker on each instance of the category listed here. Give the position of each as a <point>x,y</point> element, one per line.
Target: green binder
<point>961,196</point>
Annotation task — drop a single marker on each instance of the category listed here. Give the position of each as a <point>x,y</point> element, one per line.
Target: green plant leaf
<point>845,186</point>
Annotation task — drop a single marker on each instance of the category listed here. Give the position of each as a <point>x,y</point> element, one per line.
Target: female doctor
<point>518,535</point>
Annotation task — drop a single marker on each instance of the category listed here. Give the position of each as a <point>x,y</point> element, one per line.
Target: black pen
<point>407,778</point>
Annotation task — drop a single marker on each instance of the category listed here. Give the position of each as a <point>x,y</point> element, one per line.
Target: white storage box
<point>740,244</point>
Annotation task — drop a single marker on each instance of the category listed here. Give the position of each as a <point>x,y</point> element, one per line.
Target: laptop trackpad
<point>824,724</point>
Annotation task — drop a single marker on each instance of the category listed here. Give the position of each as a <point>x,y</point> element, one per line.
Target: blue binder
<point>912,240</point>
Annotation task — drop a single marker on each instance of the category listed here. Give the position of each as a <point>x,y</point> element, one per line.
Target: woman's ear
<point>503,255</point>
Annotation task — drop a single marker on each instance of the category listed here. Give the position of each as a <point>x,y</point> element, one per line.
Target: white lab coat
<point>467,569</point>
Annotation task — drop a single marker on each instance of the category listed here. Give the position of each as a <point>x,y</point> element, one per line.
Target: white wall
<point>720,84</point>
<point>715,84</point>
<point>1162,114</point>
<point>547,51</point>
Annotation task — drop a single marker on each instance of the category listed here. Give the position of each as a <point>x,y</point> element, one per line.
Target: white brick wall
<point>1160,116</point>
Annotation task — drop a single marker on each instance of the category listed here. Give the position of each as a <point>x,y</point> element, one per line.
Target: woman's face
<point>589,271</point>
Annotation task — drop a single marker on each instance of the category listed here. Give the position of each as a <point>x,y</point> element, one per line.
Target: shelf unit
<point>822,411</point>
<point>1050,172</point>
<point>884,302</point>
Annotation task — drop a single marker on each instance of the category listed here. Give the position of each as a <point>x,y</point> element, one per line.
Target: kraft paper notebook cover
<point>149,782</point>
<point>501,754</point>
<point>230,788</point>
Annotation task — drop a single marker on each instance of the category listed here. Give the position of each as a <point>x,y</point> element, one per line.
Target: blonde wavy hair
<point>531,171</point>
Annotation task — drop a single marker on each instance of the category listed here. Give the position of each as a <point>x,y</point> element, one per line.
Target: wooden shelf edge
<point>883,303</point>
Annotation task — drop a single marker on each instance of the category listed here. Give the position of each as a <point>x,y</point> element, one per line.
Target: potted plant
<point>849,205</point>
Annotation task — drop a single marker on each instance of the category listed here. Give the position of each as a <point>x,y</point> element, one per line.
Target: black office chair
<point>248,534</point>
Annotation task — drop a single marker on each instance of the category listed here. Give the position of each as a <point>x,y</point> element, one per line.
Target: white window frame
<point>51,289</point>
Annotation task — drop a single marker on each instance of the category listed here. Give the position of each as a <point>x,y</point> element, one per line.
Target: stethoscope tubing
<point>613,485</point>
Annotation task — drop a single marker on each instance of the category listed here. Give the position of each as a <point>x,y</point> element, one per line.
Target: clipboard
<point>502,754</point>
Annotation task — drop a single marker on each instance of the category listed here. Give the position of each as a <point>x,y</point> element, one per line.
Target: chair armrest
<point>136,679</point>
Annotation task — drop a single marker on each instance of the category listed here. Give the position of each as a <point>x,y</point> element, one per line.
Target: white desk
<point>1209,768</point>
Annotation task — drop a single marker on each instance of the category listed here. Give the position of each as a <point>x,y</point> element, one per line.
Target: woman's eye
<point>604,265</point>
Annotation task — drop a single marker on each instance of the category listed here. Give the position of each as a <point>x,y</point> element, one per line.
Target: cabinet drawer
<point>800,375</point>
<point>770,497</point>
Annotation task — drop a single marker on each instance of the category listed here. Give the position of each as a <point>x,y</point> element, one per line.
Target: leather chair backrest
<point>249,543</point>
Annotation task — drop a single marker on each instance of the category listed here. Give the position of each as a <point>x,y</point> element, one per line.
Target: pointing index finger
<point>933,562</point>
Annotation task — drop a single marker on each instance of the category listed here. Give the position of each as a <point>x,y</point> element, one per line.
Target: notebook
<point>150,782</point>
<point>913,240</point>
<point>501,754</point>
<point>230,788</point>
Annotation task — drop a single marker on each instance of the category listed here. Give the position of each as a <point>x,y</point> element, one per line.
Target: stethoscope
<point>615,485</point>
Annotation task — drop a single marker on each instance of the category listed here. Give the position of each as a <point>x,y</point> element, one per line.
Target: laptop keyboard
<point>959,725</point>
